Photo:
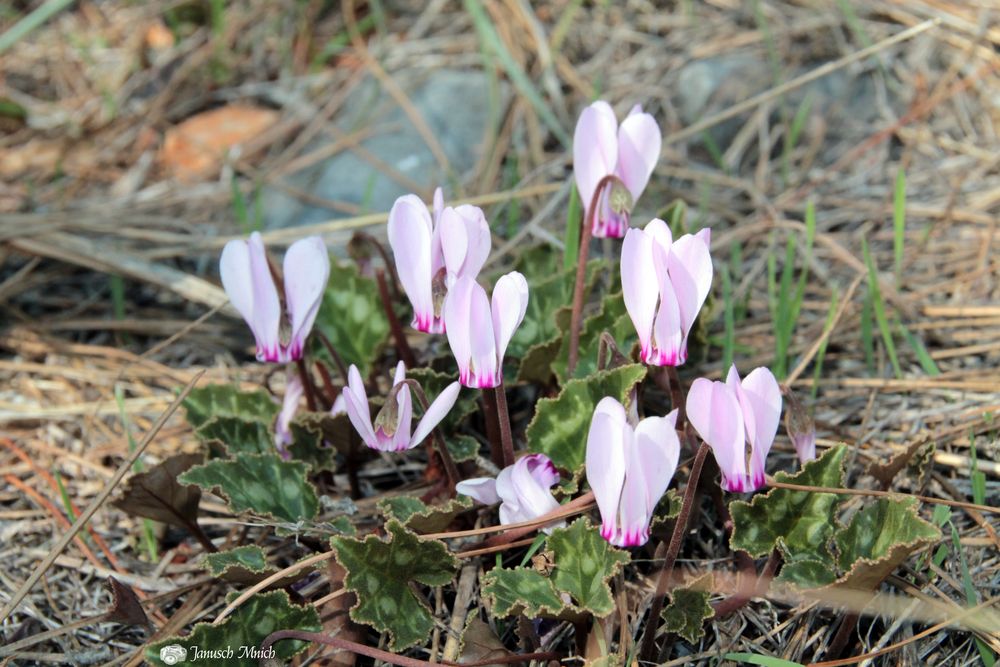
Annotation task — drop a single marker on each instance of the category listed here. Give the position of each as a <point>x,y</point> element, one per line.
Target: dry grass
<point>83,195</point>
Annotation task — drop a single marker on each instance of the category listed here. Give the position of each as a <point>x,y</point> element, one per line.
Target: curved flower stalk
<point>728,415</point>
<point>431,255</point>
<point>521,488</point>
<point>629,469</point>
<point>627,153</point>
<point>289,405</point>
<point>479,330</point>
<point>391,429</point>
<point>664,284</point>
<point>247,280</point>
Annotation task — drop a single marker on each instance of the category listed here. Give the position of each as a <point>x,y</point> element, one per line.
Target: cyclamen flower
<point>479,332</point>
<point>247,280</point>
<point>728,415</point>
<point>521,488</point>
<point>664,284</point>
<point>391,430</point>
<point>629,468</point>
<point>431,256</point>
<point>629,153</point>
<point>289,405</point>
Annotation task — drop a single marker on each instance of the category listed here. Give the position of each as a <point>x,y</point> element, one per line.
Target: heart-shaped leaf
<point>381,573</point>
<point>560,426</point>
<point>226,400</point>
<point>259,483</point>
<point>584,563</point>
<point>800,522</point>
<point>156,494</point>
<point>689,608</point>
<point>521,590</point>
<point>242,564</point>
<point>420,517</point>
<point>351,316</point>
<point>229,643</point>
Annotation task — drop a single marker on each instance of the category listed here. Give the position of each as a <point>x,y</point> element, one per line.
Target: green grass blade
<point>29,23</point>
<point>714,151</point>
<point>878,305</point>
<point>821,352</point>
<point>574,218</point>
<point>799,121</point>
<point>148,534</point>
<point>488,34</point>
<point>923,356</point>
<point>729,340</point>
<point>899,223</point>
<point>64,496</point>
<point>763,660</point>
<point>867,339</point>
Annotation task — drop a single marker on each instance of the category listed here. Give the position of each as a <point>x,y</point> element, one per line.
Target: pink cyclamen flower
<point>431,256</point>
<point>247,280</point>
<point>391,429</point>
<point>628,153</point>
<point>629,468</point>
<point>521,488</point>
<point>289,405</point>
<point>478,331</point>
<point>665,283</point>
<point>728,415</point>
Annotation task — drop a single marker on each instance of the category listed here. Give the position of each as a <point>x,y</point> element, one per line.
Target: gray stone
<point>455,104</point>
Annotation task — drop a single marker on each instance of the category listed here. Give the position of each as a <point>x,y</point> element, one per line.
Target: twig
<point>337,359</point>
<point>96,503</point>
<point>880,494</point>
<point>676,539</point>
<point>307,384</point>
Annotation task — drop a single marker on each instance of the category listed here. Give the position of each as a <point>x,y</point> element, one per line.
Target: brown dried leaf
<point>196,146</point>
<point>126,608</point>
<point>156,494</point>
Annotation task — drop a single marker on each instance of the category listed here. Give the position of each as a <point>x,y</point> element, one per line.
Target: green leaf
<point>611,317</point>
<point>433,383</point>
<point>689,608</point>
<point>226,400</point>
<point>521,590</point>
<point>763,660</point>
<point>246,564</point>
<point>584,562</point>
<point>574,216</point>
<point>559,428</point>
<point>352,317</point>
<point>880,537</point>
<point>808,573</point>
<point>237,435</point>
<point>462,447</point>
<point>247,628</point>
<point>260,483</point>
<point>419,517</point>
<point>801,522</point>
<point>380,574</point>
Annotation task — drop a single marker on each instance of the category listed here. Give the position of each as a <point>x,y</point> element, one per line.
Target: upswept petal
<point>307,269</point>
<point>764,397</point>
<point>247,277</point>
<point>656,451</point>
<point>639,143</point>
<point>605,461</point>
<point>510,302</point>
<point>595,148</point>
<point>400,373</point>
<point>715,414</point>
<point>660,231</point>
<point>401,437</point>
<point>705,234</point>
<point>668,335</point>
<point>483,489</point>
<point>454,234</point>
<point>690,267</point>
<point>639,283</point>
<point>436,411</point>
<point>356,403</point>
<point>234,268</point>
<point>533,498</point>
<point>410,234</point>
<point>634,510</point>
<point>485,365</point>
<point>749,421</point>
<point>477,230</point>
<point>438,204</point>
<point>457,324</point>
<point>541,468</point>
<point>289,405</point>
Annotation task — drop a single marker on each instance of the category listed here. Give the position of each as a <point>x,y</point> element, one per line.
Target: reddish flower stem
<point>307,385</point>
<point>341,366</point>
<point>586,231</point>
<point>676,539</point>
<point>503,421</point>
<point>492,429</point>
<point>402,346</point>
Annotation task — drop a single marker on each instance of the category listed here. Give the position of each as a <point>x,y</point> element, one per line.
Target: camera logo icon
<point>173,654</point>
